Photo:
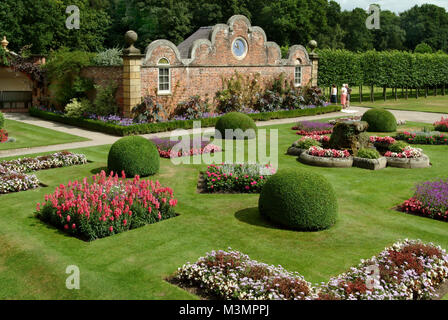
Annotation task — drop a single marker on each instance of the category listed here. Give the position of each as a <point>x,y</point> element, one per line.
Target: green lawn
<point>28,136</point>
<point>133,265</point>
<point>437,104</point>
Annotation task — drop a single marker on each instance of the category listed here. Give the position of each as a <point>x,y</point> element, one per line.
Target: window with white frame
<point>298,76</point>
<point>164,85</point>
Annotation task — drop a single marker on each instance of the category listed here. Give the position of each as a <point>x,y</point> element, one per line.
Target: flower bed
<point>106,206</point>
<point>55,160</point>
<point>242,178</point>
<point>317,156</point>
<point>145,128</point>
<point>3,136</point>
<point>15,182</point>
<point>382,140</point>
<point>429,200</point>
<point>13,177</point>
<point>313,128</point>
<point>408,270</point>
<point>232,275</point>
<point>407,153</point>
<point>164,146</point>
<point>442,125</point>
<point>328,153</point>
<point>431,138</point>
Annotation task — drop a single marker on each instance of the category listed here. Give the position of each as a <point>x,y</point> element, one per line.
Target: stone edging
<point>411,163</point>
<point>326,162</point>
<point>371,164</point>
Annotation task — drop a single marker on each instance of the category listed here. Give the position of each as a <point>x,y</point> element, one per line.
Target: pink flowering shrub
<point>406,153</point>
<point>243,178</point>
<point>328,153</point>
<point>3,135</point>
<point>382,140</point>
<point>442,125</point>
<point>107,205</point>
<point>431,138</point>
<point>313,133</point>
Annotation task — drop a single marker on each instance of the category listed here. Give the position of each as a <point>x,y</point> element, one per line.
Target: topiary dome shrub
<point>299,200</point>
<point>135,156</point>
<point>2,120</point>
<point>234,121</point>
<point>380,120</point>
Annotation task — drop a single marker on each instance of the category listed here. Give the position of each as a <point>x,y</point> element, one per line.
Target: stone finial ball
<point>312,44</point>
<point>130,37</point>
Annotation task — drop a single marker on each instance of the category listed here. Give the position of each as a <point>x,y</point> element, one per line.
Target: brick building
<point>198,65</point>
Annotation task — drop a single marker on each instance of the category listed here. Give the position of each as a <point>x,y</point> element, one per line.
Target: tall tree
<point>357,37</point>
<point>390,35</point>
<point>427,23</point>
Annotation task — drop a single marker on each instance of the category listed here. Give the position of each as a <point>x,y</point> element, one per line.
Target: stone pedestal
<point>314,57</point>
<point>132,83</point>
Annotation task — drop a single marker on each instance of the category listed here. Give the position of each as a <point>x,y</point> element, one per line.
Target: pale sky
<point>392,5</point>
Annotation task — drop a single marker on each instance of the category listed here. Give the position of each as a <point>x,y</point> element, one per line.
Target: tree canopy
<point>41,23</point>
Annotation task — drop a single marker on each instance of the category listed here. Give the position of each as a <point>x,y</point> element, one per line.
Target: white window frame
<point>298,82</point>
<point>163,66</point>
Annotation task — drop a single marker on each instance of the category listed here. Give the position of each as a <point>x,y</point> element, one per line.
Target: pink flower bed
<point>192,152</point>
<point>328,153</point>
<point>382,140</point>
<point>313,133</point>
<point>407,153</point>
<point>442,125</point>
<point>107,205</point>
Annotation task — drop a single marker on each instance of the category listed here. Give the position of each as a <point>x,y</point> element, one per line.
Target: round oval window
<point>239,48</point>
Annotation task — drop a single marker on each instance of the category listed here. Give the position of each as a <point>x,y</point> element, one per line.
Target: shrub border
<point>113,129</point>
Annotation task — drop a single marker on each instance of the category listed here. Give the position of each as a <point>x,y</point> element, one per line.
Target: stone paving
<point>98,138</point>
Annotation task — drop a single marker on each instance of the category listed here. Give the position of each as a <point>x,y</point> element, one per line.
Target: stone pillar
<point>314,57</point>
<point>132,60</point>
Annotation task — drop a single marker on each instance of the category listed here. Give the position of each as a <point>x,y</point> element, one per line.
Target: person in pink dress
<point>344,96</point>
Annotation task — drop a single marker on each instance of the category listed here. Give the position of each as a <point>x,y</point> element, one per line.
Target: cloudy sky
<point>392,5</point>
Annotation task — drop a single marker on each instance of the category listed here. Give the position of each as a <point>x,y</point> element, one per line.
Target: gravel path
<point>98,138</point>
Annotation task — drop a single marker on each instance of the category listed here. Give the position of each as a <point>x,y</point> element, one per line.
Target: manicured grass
<point>28,136</point>
<point>133,265</point>
<point>436,104</point>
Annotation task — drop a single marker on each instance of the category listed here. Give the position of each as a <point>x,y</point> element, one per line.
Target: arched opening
<point>16,90</point>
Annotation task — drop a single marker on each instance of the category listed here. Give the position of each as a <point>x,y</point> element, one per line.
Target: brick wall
<point>104,76</point>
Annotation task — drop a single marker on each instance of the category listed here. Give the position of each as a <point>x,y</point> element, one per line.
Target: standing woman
<point>334,94</point>
<point>349,96</point>
<point>344,96</point>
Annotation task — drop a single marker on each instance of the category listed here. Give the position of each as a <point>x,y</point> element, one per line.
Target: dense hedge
<point>135,156</point>
<point>2,120</point>
<point>117,130</point>
<point>234,121</point>
<point>300,200</point>
<point>380,120</point>
<point>391,69</point>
